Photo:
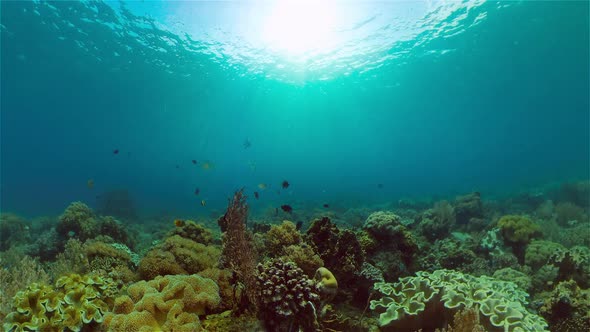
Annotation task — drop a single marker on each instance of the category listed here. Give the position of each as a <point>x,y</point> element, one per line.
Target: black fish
<point>380,186</point>
<point>194,162</point>
<point>197,191</point>
<point>285,184</point>
<point>116,151</point>
<point>326,206</point>
<point>299,224</point>
<point>287,208</point>
<point>256,195</point>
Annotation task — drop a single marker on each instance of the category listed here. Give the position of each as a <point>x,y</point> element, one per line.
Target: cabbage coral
<point>429,300</point>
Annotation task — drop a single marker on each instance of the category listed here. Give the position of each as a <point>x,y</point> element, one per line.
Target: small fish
<point>285,184</point>
<point>299,225</point>
<point>326,206</point>
<point>247,143</point>
<point>90,183</point>
<point>197,191</point>
<point>287,208</point>
<point>178,222</point>
<point>177,166</point>
<point>256,195</point>
<point>194,162</point>
<point>262,186</point>
<point>203,203</point>
<point>380,186</point>
<point>116,151</point>
<point>207,165</point>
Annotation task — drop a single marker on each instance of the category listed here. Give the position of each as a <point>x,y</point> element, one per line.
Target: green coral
<point>538,253</point>
<point>518,229</point>
<point>76,301</point>
<point>429,299</point>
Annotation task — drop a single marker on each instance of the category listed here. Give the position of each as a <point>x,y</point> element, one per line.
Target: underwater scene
<point>291,166</point>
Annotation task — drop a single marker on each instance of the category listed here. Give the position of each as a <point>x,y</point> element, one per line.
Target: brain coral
<point>170,303</point>
<point>429,300</point>
<point>75,302</point>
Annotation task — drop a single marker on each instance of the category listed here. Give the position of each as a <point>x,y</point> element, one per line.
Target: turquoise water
<point>363,101</point>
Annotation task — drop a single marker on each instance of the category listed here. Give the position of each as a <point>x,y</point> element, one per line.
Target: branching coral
<point>428,300</point>
<point>238,251</point>
<point>288,299</point>
<point>171,303</point>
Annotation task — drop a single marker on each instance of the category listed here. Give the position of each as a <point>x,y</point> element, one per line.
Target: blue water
<point>425,99</point>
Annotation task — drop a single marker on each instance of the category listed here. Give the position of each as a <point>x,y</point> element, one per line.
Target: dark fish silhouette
<point>298,225</point>
<point>197,191</point>
<point>194,162</point>
<point>380,186</point>
<point>287,208</point>
<point>256,195</point>
<point>285,184</point>
<point>116,151</point>
<point>326,206</point>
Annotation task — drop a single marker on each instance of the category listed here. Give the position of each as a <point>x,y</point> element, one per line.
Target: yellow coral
<point>170,303</point>
<point>518,229</point>
<point>327,283</point>
<point>75,301</point>
<point>281,236</point>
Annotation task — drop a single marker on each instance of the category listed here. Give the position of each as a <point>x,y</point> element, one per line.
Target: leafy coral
<point>428,300</point>
<point>74,302</point>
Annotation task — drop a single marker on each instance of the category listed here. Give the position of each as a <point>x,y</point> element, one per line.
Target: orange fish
<point>178,222</point>
<point>90,183</point>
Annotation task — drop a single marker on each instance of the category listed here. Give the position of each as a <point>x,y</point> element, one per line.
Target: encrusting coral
<point>178,255</point>
<point>170,303</point>
<point>429,300</point>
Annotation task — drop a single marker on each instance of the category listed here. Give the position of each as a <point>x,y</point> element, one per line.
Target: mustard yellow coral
<point>170,303</point>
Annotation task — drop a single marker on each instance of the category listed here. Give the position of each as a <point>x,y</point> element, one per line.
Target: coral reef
<point>340,251</point>
<point>436,223</point>
<point>567,306</point>
<point>170,303</point>
<point>467,207</point>
<point>281,236</point>
<point>238,250</point>
<point>74,302</point>
<point>178,255</point>
<point>429,300</point>
<point>14,230</point>
<point>573,264</point>
<point>189,229</point>
<point>288,299</point>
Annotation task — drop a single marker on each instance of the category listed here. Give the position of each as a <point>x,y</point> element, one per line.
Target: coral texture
<point>428,300</point>
<point>170,303</point>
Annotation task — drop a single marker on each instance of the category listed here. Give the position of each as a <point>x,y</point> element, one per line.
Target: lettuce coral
<point>76,301</point>
<point>428,300</point>
<point>170,303</point>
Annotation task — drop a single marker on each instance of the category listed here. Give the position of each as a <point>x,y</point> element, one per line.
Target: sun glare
<point>295,28</point>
